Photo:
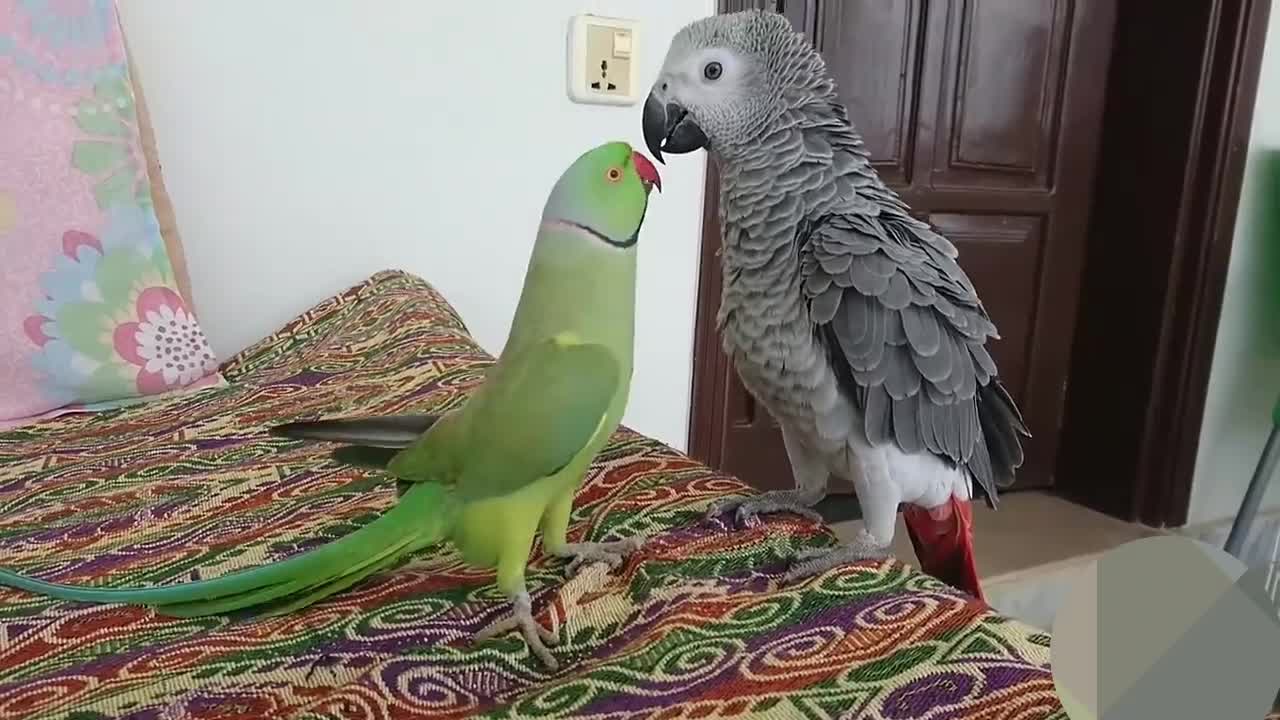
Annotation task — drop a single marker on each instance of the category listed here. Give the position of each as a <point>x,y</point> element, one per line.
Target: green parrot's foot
<point>612,553</point>
<point>815,561</point>
<point>521,619</point>
<point>746,511</point>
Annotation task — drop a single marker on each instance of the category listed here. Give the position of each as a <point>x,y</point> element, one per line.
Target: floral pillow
<point>91,314</point>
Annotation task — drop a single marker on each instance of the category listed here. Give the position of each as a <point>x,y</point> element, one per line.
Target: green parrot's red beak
<point>646,170</point>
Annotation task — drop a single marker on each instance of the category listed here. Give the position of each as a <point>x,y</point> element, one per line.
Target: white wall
<point>1244,380</point>
<point>309,143</point>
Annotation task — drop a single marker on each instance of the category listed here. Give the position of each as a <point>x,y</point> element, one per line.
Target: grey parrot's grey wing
<point>906,333</point>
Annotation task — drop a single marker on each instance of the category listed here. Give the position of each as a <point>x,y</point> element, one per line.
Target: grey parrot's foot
<point>612,553</point>
<point>744,511</point>
<point>521,619</point>
<point>815,561</point>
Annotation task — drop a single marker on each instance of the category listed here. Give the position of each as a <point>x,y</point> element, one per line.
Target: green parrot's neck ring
<point>603,237</point>
<point>622,244</point>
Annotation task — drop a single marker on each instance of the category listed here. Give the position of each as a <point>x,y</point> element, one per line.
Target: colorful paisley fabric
<point>694,625</point>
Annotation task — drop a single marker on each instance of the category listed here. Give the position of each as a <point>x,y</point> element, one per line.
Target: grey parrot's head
<point>725,78</point>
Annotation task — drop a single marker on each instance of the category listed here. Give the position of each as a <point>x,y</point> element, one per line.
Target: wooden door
<point>985,116</point>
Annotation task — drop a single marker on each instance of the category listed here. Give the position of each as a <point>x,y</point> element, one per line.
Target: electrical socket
<point>602,60</point>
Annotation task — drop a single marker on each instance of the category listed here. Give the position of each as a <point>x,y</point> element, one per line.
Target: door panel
<point>984,115</point>
<point>872,49</point>
<point>1002,81</point>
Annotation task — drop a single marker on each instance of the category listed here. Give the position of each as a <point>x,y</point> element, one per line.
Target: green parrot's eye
<point>712,71</point>
<point>614,174</point>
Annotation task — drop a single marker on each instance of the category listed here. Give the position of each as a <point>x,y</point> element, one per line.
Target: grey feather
<point>925,293</point>
<point>894,334</point>
<point>938,419</point>
<point>855,320</point>
<point>865,279</point>
<point>834,264</point>
<point>865,229</point>
<point>935,368</point>
<point>880,264</point>
<point>824,306</point>
<point>959,356</point>
<point>951,425</point>
<point>901,378</point>
<point>817,147</point>
<point>864,351</point>
<point>937,395</point>
<point>898,295</point>
<point>984,361</point>
<point>944,307</point>
<point>872,376</point>
<point>817,283</point>
<point>1003,455</point>
<point>922,330</point>
<point>387,431</point>
<point>968,382</point>
<point>877,415</point>
<point>906,425</point>
<point>925,414</point>
<point>980,467</point>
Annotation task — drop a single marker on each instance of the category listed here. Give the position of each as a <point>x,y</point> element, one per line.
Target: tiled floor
<point>1027,550</point>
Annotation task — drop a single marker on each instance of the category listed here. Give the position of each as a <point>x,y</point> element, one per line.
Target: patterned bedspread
<point>694,625</point>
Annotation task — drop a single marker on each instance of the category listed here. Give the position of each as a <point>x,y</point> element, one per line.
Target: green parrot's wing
<point>536,411</point>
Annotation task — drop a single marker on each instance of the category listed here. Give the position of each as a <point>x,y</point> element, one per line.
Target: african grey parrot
<point>846,317</point>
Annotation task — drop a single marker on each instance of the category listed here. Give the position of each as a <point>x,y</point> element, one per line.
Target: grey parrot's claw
<point>747,511</point>
<point>809,513</point>
<point>815,561</point>
<point>521,619</point>
<point>813,553</point>
<point>717,509</point>
<point>611,553</point>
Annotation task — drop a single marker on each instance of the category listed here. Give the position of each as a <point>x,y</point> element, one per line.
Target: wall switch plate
<point>603,62</point>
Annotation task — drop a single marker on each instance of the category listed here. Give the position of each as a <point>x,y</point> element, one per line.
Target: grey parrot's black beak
<point>669,128</point>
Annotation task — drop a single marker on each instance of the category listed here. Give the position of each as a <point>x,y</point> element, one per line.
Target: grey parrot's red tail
<point>943,540</point>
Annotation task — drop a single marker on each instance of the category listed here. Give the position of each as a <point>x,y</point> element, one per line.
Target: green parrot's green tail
<point>420,518</point>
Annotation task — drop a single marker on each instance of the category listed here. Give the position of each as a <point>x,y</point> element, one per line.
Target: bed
<point>693,625</point>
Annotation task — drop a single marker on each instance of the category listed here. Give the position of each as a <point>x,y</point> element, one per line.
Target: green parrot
<point>509,460</point>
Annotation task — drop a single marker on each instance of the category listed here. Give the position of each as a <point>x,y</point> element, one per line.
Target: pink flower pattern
<point>165,342</point>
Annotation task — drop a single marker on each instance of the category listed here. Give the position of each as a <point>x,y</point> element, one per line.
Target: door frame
<point>1170,167</point>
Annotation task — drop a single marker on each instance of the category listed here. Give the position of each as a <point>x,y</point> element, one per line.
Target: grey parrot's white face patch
<point>720,87</point>
<point>734,74</point>
<point>707,77</point>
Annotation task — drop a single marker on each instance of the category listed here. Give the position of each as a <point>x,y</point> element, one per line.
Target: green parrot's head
<point>604,193</point>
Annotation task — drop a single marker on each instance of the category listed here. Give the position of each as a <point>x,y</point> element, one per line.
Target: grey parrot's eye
<point>712,71</point>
